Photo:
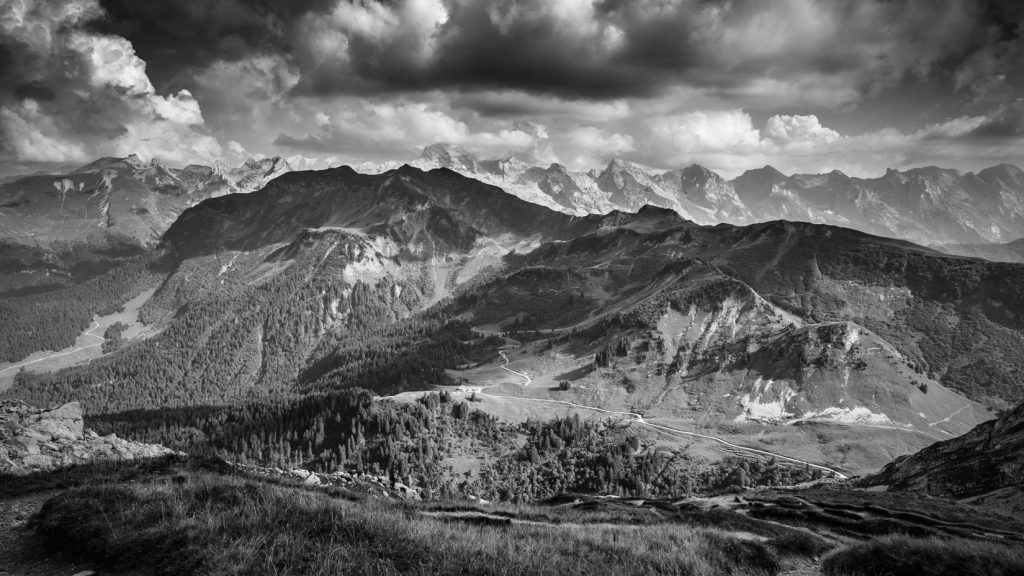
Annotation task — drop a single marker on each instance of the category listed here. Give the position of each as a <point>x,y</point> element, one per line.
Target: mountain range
<point>928,206</point>
<point>960,213</point>
<point>123,197</point>
<point>336,336</point>
<point>818,343</point>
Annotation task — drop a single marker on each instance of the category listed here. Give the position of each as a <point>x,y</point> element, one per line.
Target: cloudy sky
<point>804,85</point>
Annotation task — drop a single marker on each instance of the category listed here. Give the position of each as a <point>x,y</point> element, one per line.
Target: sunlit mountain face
<point>357,286</point>
<point>930,206</point>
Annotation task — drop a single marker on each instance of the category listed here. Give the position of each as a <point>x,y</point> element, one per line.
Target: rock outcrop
<point>37,440</point>
<point>368,484</point>
<point>988,458</point>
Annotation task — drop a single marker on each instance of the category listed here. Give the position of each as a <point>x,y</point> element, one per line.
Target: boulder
<point>35,434</point>
<point>33,440</point>
<point>23,445</point>
<point>61,422</point>
<point>38,461</point>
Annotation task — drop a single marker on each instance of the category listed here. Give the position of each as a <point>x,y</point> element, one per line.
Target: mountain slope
<point>1005,252</point>
<point>988,458</point>
<point>924,205</point>
<point>825,344</point>
<point>401,202</point>
<point>124,197</point>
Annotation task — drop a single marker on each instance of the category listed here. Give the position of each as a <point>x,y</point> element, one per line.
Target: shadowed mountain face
<point>987,461</point>
<point>924,205</point>
<point>123,197</point>
<point>407,205</point>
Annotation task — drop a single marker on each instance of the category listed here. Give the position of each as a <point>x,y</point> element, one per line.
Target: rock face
<point>35,440</point>
<point>988,458</point>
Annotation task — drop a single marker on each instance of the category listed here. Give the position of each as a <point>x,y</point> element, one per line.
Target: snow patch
<point>857,415</point>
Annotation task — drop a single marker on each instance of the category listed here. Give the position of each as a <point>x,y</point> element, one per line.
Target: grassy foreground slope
<point>188,516</point>
<point>215,525</point>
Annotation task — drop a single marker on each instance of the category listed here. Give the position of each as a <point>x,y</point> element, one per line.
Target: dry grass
<point>904,556</point>
<point>175,516</point>
<point>219,525</point>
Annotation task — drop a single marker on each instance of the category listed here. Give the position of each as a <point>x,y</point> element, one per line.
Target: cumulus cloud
<point>799,130</point>
<point>28,132</point>
<point>701,132</point>
<point>585,146</point>
<point>835,52</point>
<point>246,91</point>
<point>235,148</point>
<point>403,128</point>
<point>729,82</point>
<point>360,40</point>
<point>730,142</point>
<point>90,94</point>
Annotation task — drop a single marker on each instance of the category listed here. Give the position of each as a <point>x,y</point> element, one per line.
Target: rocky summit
<point>929,206</point>
<point>39,440</point>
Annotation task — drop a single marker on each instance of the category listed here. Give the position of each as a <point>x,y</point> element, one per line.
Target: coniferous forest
<point>259,375</point>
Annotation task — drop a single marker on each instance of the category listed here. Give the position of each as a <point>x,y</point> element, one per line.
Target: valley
<point>88,346</point>
<point>771,339</point>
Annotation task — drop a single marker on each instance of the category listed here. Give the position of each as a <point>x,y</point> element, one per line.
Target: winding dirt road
<point>507,369</point>
<point>638,418</point>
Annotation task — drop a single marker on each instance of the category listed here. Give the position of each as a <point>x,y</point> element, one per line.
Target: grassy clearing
<point>214,524</point>
<point>903,556</point>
